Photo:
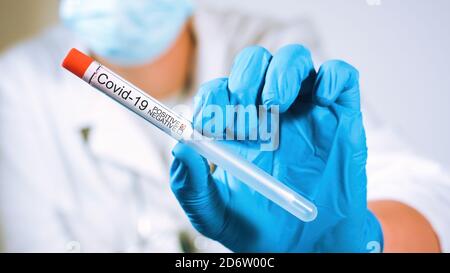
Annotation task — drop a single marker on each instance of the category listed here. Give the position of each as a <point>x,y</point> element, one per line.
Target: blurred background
<point>400,47</point>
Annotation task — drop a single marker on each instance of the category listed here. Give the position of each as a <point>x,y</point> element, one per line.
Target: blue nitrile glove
<point>322,154</point>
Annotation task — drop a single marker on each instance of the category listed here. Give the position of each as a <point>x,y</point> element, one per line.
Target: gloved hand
<point>322,154</point>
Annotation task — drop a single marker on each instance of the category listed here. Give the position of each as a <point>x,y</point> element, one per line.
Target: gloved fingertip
<point>175,168</point>
<point>190,160</point>
<point>321,101</point>
<point>176,148</point>
<point>337,81</point>
<point>247,75</point>
<point>182,151</point>
<point>272,104</point>
<point>178,173</point>
<point>210,108</point>
<point>289,76</point>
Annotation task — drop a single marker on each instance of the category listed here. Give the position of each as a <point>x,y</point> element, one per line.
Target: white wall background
<point>401,48</point>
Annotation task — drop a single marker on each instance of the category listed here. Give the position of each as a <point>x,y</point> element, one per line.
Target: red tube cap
<point>77,62</point>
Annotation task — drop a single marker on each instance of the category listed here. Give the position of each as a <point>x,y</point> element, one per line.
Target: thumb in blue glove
<point>203,199</point>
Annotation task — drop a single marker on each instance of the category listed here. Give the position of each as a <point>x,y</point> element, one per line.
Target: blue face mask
<point>126,32</point>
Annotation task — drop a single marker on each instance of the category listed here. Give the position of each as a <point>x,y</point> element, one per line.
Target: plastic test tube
<point>181,129</point>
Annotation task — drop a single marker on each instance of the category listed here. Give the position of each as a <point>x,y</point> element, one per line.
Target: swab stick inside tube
<point>181,129</point>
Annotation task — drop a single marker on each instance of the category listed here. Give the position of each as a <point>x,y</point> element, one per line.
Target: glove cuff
<point>374,234</point>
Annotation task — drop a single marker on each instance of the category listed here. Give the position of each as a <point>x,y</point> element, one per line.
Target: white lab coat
<point>61,191</point>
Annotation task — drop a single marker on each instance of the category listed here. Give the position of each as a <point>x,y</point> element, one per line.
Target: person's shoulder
<point>243,28</point>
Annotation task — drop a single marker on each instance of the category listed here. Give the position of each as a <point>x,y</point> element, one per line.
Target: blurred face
<point>126,33</point>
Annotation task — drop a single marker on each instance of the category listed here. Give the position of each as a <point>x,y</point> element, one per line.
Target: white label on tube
<point>137,101</point>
